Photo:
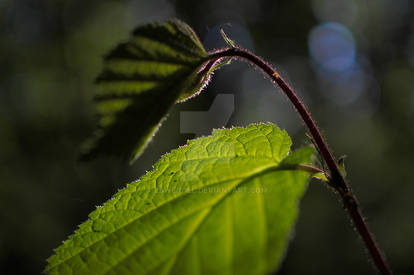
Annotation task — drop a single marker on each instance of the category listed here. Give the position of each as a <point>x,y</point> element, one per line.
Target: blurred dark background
<point>352,62</point>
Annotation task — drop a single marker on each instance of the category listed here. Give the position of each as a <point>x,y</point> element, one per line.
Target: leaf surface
<point>223,204</point>
<point>160,65</point>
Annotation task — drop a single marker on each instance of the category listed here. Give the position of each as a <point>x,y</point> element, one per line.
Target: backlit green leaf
<point>160,65</point>
<point>223,204</point>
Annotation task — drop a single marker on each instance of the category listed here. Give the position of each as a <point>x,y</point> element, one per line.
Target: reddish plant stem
<point>336,179</point>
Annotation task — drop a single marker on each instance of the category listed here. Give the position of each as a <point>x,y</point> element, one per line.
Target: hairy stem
<point>336,179</point>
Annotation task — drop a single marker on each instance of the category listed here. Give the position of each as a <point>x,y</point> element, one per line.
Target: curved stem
<point>336,179</point>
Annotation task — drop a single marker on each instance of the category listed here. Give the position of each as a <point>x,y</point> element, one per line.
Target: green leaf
<point>227,39</point>
<point>160,65</point>
<point>222,204</point>
<point>321,177</point>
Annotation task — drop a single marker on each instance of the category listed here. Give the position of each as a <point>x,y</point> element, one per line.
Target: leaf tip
<point>226,38</point>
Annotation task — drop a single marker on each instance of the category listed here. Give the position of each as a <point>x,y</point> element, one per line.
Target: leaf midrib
<point>271,168</point>
<point>211,208</point>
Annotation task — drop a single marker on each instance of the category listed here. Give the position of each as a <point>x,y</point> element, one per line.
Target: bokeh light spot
<point>332,47</point>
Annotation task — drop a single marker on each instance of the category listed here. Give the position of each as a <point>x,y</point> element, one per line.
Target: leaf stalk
<point>336,180</point>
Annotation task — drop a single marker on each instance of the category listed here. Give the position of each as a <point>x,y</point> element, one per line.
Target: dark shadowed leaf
<point>223,204</point>
<point>160,65</point>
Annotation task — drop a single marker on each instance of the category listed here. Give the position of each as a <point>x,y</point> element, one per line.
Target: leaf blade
<point>185,204</point>
<point>160,65</point>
